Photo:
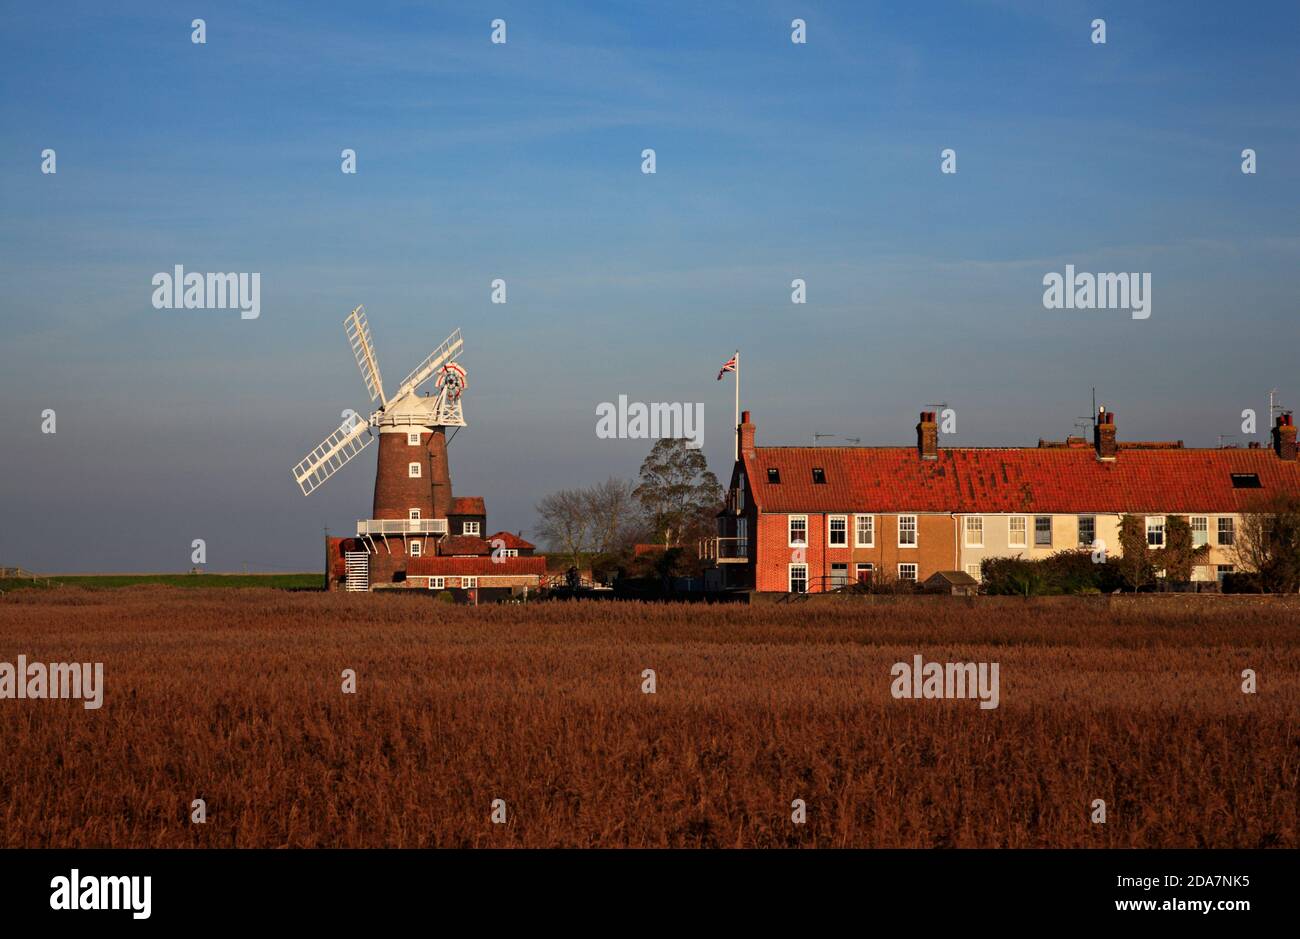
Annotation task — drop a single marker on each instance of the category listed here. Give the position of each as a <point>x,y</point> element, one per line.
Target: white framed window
<point>1016,530</point>
<point>865,531</point>
<point>798,578</point>
<point>1227,531</point>
<point>1042,531</point>
<point>506,553</point>
<point>469,528</point>
<point>413,470</point>
<point>907,531</point>
<point>1156,531</point>
<point>469,583</point>
<point>974,531</point>
<point>837,531</point>
<point>415,549</point>
<point>413,438</point>
<point>1200,531</point>
<point>839,575</point>
<point>1222,570</point>
<point>413,514</point>
<point>437,583</point>
<point>907,572</point>
<point>973,570</point>
<point>1087,530</point>
<point>865,572</point>
<point>799,534</point>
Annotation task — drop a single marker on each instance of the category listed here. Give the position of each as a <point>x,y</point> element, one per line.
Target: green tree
<point>1180,555</point>
<point>678,491</point>
<point>1135,564</point>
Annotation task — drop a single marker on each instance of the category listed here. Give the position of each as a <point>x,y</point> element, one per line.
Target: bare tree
<point>1267,543</point>
<point>564,521</point>
<point>613,512</point>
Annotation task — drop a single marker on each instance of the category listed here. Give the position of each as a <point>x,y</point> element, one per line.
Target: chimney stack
<point>1103,435</point>
<point>927,436</point>
<point>1284,437</point>
<point>746,432</point>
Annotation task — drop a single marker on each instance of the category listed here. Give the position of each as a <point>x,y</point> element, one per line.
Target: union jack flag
<point>728,366</point>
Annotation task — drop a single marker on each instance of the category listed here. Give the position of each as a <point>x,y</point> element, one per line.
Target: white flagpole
<point>735,437</point>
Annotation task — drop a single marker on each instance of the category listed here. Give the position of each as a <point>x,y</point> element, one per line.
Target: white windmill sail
<point>332,455</point>
<point>450,348</point>
<point>404,409</point>
<point>363,350</point>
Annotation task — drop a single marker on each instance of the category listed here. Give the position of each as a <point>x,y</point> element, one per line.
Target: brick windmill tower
<point>413,498</point>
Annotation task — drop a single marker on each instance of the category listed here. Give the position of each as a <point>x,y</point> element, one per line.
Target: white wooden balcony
<point>402,526</point>
<point>722,549</point>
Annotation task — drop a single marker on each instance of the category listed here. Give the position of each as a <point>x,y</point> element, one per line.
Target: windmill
<point>412,478</point>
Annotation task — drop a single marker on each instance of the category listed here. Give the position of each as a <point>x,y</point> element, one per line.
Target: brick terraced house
<point>810,519</point>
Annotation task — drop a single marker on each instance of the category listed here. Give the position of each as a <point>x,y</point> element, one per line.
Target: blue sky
<point>522,161</point>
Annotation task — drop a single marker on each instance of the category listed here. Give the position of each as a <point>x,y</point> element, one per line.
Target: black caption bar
<point>144,889</point>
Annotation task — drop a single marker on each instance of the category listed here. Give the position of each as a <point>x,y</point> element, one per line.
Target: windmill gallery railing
<point>402,526</point>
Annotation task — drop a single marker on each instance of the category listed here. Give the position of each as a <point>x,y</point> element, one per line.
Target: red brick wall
<point>396,493</point>
<point>935,551</point>
<point>384,566</point>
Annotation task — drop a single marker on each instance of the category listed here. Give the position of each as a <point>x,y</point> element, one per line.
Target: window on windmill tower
<point>413,438</point>
<point>415,549</point>
<point>413,514</point>
<point>413,470</point>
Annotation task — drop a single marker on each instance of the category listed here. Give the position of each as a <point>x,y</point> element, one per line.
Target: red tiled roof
<point>511,541</point>
<point>468,505</point>
<point>463,544</point>
<point>482,567</point>
<point>1067,480</point>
